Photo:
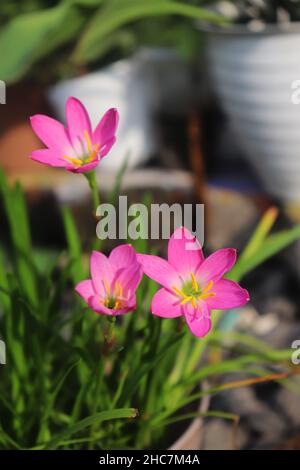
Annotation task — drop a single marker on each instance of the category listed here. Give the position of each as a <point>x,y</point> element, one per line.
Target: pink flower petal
<point>229,294</point>
<point>129,278</point>
<point>198,319</point>
<point>85,289</point>
<point>101,271</point>
<point>84,168</point>
<point>199,326</point>
<point>106,128</point>
<point>78,119</point>
<point>48,157</point>
<point>184,251</point>
<point>98,307</point>
<point>123,256</point>
<point>104,149</point>
<point>159,270</point>
<point>165,304</point>
<point>216,265</point>
<point>51,132</point>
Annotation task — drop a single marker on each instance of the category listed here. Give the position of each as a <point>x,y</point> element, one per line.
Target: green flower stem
<point>110,335</point>
<point>109,340</point>
<point>92,180</point>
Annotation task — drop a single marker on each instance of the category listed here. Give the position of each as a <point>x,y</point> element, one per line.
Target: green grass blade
<point>74,245</point>
<point>85,423</point>
<point>268,248</point>
<point>261,232</point>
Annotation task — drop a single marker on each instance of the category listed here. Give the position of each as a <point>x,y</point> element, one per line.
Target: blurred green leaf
<point>49,405</point>
<point>145,368</point>
<point>16,212</point>
<point>186,400</point>
<point>117,13</point>
<point>31,36</point>
<point>261,232</point>
<point>271,245</point>
<point>74,244</point>
<point>189,416</point>
<point>4,298</point>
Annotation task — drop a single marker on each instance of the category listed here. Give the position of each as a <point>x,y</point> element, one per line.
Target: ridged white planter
<point>252,73</point>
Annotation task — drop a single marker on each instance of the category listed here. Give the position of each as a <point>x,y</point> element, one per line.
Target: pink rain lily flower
<point>111,291</point>
<point>76,148</point>
<point>192,285</point>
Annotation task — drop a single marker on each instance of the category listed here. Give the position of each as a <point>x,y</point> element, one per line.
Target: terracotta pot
<point>17,139</point>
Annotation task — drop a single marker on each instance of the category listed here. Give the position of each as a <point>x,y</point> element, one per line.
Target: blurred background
<point>209,113</point>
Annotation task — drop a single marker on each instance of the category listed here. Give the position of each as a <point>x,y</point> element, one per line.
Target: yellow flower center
<point>113,300</point>
<point>192,292</point>
<point>86,157</point>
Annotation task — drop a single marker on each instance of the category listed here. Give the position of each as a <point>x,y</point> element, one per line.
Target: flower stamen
<point>194,282</point>
<point>206,294</point>
<point>106,285</point>
<point>186,299</point>
<point>179,292</point>
<point>113,298</point>
<point>192,292</point>
<point>209,286</point>
<point>75,161</point>
<point>88,141</point>
<point>85,158</point>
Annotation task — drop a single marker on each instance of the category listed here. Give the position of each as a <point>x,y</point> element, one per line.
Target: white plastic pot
<point>124,86</point>
<point>192,438</point>
<point>252,73</point>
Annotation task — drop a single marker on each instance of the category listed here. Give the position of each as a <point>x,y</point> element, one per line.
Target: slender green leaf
<point>268,248</point>
<point>262,230</point>
<point>74,244</point>
<point>85,423</point>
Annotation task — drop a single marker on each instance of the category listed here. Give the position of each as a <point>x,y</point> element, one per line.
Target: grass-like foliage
<point>74,380</point>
